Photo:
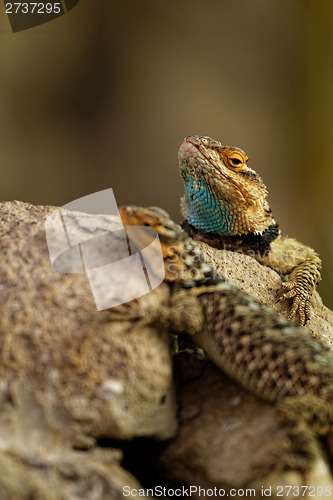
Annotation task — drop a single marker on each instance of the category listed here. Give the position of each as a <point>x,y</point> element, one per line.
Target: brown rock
<point>104,377</point>
<point>61,474</point>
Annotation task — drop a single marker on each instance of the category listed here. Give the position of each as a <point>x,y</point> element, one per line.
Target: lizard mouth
<point>191,147</point>
<point>196,154</point>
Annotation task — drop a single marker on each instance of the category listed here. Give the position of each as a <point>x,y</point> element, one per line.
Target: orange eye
<point>236,159</point>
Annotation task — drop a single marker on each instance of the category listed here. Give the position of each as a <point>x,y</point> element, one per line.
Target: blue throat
<point>205,211</point>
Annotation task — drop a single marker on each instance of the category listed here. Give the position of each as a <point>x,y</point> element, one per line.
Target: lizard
<point>274,359</point>
<point>225,205</point>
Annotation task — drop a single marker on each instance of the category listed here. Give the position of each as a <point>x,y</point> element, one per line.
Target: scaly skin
<point>225,205</point>
<point>266,354</point>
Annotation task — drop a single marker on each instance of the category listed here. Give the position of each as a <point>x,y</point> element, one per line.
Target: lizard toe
<point>288,295</point>
<point>304,312</point>
<point>286,285</point>
<point>294,308</point>
<point>301,306</point>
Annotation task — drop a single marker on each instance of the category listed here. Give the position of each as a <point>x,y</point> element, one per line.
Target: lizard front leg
<point>178,310</point>
<point>302,266</point>
<point>184,313</point>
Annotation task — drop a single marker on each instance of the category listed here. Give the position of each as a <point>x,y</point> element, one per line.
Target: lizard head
<point>182,260</point>
<point>222,194</point>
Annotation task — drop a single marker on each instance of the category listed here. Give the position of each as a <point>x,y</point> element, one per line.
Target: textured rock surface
<point>99,376</point>
<point>69,373</point>
<point>261,282</point>
<point>50,472</point>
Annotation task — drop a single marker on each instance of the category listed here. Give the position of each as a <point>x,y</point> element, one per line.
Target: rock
<point>261,283</point>
<point>105,378</point>
<point>70,374</point>
<point>58,473</point>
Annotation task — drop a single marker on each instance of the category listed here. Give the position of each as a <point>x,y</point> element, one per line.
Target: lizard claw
<point>301,300</point>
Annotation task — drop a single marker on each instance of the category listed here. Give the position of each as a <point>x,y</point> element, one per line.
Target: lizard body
<point>225,205</point>
<point>274,359</point>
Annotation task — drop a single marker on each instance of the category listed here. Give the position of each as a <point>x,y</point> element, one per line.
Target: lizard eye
<point>236,159</point>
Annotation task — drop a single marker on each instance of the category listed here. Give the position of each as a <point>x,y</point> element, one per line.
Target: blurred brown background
<point>103,96</point>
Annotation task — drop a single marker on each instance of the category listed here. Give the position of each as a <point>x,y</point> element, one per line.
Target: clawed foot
<point>301,300</point>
